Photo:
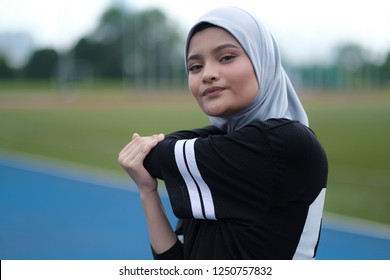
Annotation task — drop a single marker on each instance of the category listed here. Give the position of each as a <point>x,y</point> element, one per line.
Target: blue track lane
<point>49,213</point>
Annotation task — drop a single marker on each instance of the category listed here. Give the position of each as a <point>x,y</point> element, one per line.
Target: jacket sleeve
<point>154,160</point>
<point>214,175</point>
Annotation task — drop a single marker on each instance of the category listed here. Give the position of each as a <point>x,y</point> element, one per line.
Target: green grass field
<point>91,127</point>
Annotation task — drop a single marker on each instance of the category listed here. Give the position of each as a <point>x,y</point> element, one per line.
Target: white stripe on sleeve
<point>201,200</point>
<point>311,230</point>
<point>195,202</point>
<point>203,187</point>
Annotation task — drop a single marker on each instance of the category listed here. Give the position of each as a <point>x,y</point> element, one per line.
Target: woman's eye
<point>195,68</point>
<point>227,58</point>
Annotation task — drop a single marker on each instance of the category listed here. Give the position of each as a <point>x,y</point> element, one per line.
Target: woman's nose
<point>210,74</point>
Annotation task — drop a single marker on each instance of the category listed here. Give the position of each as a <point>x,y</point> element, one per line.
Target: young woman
<point>251,185</point>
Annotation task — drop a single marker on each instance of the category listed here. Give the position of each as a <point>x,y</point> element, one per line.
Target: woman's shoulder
<point>283,126</point>
<point>288,132</point>
<point>279,123</point>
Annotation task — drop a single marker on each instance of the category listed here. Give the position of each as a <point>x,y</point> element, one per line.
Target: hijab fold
<point>276,97</point>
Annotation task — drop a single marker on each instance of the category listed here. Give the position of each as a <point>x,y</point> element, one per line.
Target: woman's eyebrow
<point>214,51</point>
<point>194,57</point>
<point>224,46</point>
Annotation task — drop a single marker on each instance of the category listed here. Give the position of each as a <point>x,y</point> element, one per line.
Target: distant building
<point>16,47</point>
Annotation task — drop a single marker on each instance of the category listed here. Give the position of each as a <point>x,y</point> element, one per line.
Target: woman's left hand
<point>131,158</point>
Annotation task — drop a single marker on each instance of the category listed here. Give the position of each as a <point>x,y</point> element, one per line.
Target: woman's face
<point>221,76</point>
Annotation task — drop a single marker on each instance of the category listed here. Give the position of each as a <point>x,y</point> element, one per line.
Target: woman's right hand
<point>132,156</point>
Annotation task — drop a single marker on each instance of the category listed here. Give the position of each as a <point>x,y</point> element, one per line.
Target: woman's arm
<point>162,236</point>
<point>158,157</point>
<point>131,158</point>
<point>219,176</point>
<point>163,239</point>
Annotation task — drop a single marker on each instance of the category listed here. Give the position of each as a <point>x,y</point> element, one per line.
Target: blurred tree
<point>5,71</point>
<point>42,64</point>
<point>351,56</point>
<point>356,67</point>
<point>352,68</point>
<point>384,71</point>
<point>139,46</point>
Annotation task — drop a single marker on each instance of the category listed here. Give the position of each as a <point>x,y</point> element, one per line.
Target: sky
<point>305,30</point>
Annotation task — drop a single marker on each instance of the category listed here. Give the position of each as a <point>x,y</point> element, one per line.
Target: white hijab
<point>276,97</point>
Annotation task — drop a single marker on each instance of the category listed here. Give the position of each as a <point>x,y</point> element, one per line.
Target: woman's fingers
<point>132,157</point>
<point>134,153</point>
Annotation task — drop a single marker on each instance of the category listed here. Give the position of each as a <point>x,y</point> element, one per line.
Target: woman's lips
<point>212,91</point>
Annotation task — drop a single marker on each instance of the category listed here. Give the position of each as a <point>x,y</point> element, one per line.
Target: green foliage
<point>385,71</point>
<point>142,47</point>
<point>134,45</point>
<point>352,68</point>
<point>5,70</point>
<point>42,64</point>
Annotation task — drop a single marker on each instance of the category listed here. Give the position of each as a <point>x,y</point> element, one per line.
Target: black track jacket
<point>256,193</point>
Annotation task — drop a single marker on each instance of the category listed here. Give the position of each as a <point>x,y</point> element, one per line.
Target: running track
<point>48,212</point>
